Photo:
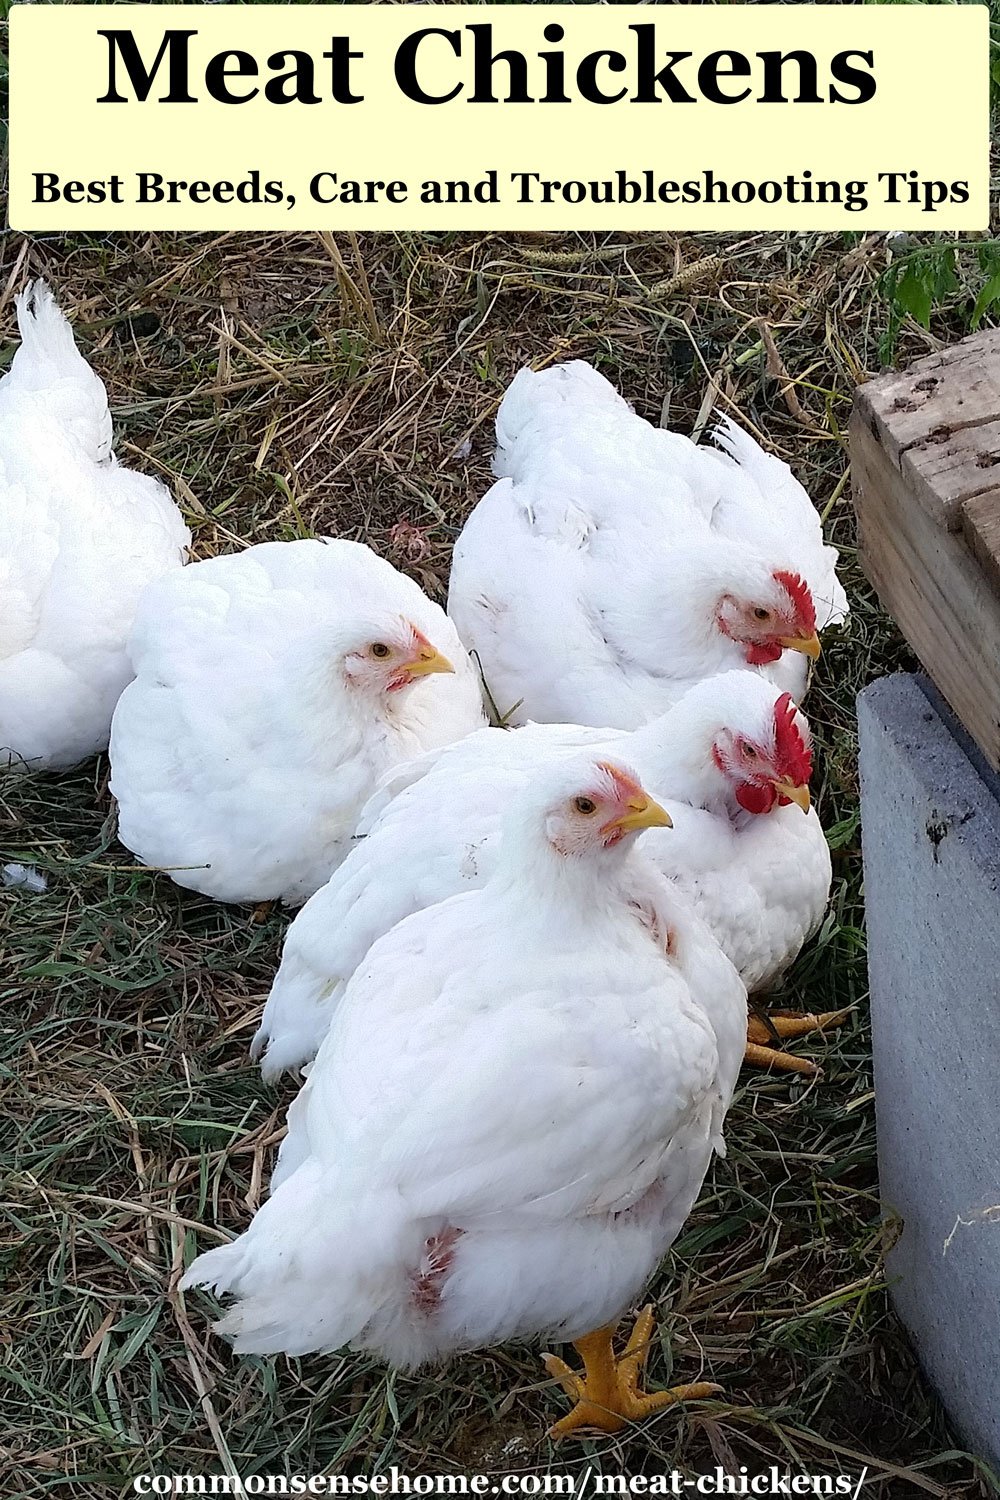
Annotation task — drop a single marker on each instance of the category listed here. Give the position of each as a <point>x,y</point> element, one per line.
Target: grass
<point>286,384</point>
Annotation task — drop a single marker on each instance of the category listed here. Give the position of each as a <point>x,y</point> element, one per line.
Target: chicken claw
<point>764,1032</point>
<point>608,1393</point>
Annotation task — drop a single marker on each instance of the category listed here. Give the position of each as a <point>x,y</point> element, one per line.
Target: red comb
<point>624,781</point>
<point>798,591</point>
<point>794,755</point>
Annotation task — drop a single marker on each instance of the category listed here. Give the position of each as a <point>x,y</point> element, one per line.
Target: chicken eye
<point>585,805</point>
<point>380,649</point>
<point>760,613</point>
<point>749,753</point>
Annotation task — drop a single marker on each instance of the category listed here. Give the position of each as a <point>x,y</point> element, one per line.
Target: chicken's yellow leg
<point>608,1393</point>
<point>764,1034</point>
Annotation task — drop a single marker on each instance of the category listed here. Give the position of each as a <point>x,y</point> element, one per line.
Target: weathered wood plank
<point>957,388</point>
<point>939,423</point>
<point>948,468</point>
<point>931,582</point>
<point>981,526</point>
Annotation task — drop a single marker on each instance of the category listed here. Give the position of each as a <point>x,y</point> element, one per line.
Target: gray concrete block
<point>931,839</point>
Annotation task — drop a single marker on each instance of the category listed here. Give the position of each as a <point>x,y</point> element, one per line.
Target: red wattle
<point>756,799</point>
<point>762,655</point>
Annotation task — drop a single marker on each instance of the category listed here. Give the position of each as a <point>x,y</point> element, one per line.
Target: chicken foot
<point>608,1394</point>
<point>764,1032</point>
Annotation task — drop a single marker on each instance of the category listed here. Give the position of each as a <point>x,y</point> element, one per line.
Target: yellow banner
<point>498,116</point>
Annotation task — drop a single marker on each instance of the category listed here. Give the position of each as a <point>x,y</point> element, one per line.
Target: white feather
<point>239,756</point>
<point>25,877</point>
<point>761,883</point>
<point>588,578</point>
<point>80,537</point>
<point>521,1072</point>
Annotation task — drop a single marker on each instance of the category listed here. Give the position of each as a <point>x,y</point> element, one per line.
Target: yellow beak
<point>808,644</point>
<point>643,812</point>
<point>429,661</point>
<point>797,794</point>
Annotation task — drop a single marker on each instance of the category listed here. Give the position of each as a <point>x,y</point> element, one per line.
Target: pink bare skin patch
<point>436,1261</point>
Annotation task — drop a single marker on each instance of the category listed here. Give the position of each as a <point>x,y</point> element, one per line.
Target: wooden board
<point>981,525</point>
<point>957,387</point>
<point>925,468</point>
<point>951,465</point>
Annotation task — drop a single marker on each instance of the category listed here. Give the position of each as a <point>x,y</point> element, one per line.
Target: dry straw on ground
<point>290,384</point>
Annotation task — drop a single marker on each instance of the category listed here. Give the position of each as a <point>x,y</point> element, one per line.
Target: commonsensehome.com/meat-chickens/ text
<point>773,1482</point>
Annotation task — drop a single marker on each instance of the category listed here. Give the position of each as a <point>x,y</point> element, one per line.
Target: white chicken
<point>732,761</point>
<point>80,537</point>
<point>273,688</point>
<point>643,562</point>
<point>511,1116</point>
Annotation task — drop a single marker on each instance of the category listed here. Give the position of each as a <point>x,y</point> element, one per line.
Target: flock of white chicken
<point>518,984</point>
